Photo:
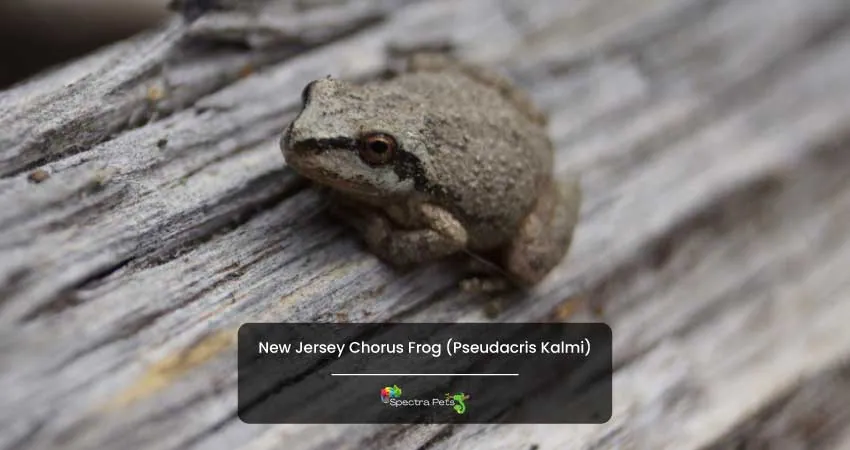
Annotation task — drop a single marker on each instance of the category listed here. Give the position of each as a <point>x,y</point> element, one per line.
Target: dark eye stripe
<point>320,145</point>
<point>340,142</point>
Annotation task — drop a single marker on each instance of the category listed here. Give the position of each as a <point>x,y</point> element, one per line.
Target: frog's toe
<point>481,285</point>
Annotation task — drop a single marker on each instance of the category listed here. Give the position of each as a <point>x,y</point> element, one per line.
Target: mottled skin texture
<point>471,168</point>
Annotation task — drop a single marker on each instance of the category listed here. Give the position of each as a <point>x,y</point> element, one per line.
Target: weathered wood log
<point>146,212</point>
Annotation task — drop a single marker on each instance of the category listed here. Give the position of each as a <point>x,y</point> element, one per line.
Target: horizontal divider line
<point>424,374</point>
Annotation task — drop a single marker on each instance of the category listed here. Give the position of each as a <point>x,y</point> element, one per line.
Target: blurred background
<point>38,34</point>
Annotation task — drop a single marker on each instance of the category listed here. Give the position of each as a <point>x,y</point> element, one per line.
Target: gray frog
<point>445,157</point>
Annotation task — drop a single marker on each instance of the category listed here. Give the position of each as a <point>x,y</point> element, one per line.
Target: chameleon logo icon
<point>459,399</point>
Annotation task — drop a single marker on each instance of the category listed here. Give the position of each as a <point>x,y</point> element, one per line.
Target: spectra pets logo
<point>390,392</point>
<point>391,395</point>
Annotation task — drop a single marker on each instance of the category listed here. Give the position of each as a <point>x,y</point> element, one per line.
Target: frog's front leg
<point>546,233</point>
<point>440,235</point>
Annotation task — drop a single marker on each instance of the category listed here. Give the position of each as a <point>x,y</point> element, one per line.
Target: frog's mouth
<point>325,176</point>
<point>348,186</point>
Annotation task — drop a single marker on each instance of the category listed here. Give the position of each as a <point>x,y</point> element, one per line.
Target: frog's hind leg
<point>437,62</point>
<point>546,234</point>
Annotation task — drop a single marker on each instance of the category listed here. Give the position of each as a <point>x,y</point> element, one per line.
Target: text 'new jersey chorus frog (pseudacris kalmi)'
<point>445,157</point>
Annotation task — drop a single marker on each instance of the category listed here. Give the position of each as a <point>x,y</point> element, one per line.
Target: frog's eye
<point>377,149</point>
<point>305,93</point>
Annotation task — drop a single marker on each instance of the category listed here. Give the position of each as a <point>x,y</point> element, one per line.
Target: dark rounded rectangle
<point>425,373</point>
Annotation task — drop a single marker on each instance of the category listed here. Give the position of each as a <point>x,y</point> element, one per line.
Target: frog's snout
<point>286,139</point>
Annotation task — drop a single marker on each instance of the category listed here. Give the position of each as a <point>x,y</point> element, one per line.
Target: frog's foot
<point>546,234</point>
<point>436,62</point>
<point>443,236</point>
<point>486,285</point>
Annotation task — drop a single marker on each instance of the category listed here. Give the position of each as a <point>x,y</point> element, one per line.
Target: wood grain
<point>146,212</point>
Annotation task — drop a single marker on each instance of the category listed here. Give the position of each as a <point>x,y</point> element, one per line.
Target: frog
<point>444,157</point>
